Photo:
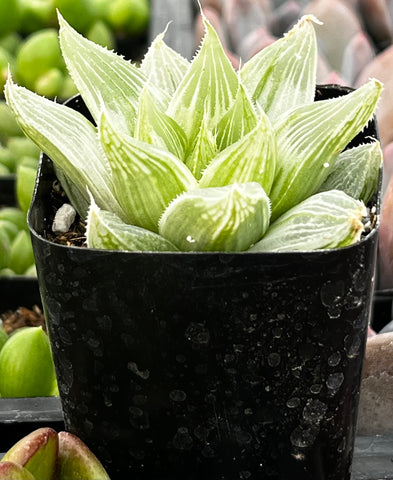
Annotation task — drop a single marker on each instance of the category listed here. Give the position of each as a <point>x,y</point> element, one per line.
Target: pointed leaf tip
<point>309,18</point>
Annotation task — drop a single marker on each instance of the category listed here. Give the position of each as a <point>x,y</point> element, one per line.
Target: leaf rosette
<point>194,155</point>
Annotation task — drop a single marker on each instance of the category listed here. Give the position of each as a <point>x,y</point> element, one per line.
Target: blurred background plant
<point>30,50</point>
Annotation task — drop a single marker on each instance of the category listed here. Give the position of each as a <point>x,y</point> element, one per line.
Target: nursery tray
<point>20,416</point>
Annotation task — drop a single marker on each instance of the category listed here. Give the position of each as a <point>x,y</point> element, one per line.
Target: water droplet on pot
<point>139,399</point>
<point>197,333</point>
<point>342,445</point>
<point>182,440</point>
<point>229,358</point>
<point>303,436</point>
<point>244,475</point>
<point>316,388</point>
<point>334,313</point>
<point>352,346</point>
<point>331,293</point>
<point>334,381</point>
<point>314,411</point>
<point>93,342</point>
<point>334,359</point>
<point>133,367</point>
<point>242,437</point>
<point>177,395</point>
<point>64,336</point>
<point>135,411</point>
<point>107,401</point>
<point>277,332</point>
<point>238,348</point>
<point>274,359</point>
<point>208,452</point>
<point>293,402</point>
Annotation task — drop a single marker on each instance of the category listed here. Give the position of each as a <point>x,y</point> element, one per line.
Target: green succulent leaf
<point>147,178</point>
<point>155,127</point>
<point>163,66</point>
<point>203,150</point>
<point>329,219</point>
<point>210,84</point>
<point>239,120</point>
<point>356,171</point>
<point>104,79</point>
<point>76,151</point>
<point>251,159</point>
<point>310,138</point>
<point>229,218</point>
<point>106,230</point>
<point>283,75</point>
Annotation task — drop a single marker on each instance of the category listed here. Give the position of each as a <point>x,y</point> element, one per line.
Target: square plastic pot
<point>208,365</point>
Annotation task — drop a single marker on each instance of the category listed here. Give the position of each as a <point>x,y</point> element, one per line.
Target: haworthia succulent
<point>310,138</point>
<point>153,126</point>
<point>107,231</point>
<point>229,218</point>
<point>104,79</point>
<point>163,66</point>
<point>251,159</point>
<point>239,120</point>
<point>147,178</point>
<point>283,75</point>
<point>70,140</point>
<point>196,150</point>
<point>202,151</point>
<point>356,171</point>
<point>210,84</point>
<point>329,219</point>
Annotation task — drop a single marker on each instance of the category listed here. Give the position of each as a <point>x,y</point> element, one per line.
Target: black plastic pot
<point>208,365</point>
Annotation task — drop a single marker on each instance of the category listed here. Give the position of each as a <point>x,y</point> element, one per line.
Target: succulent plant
<point>26,365</point>
<point>45,454</point>
<point>197,156</point>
